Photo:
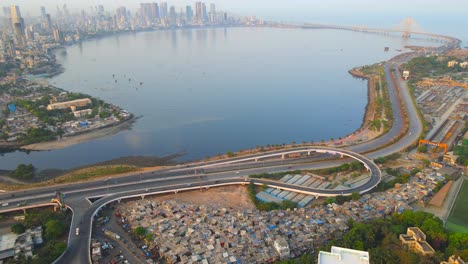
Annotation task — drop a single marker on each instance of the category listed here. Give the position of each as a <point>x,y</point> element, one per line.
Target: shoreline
<point>84,136</point>
<point>126,124</point>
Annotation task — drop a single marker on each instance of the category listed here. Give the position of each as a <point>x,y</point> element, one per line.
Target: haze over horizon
<point>433,16</point>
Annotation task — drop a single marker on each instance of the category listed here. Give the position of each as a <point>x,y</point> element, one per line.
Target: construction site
<point>443,103</point>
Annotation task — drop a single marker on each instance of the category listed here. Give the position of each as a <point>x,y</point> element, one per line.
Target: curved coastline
<point>114,128</point>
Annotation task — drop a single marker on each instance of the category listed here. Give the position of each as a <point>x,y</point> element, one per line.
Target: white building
<point>340,255</point>
<point>282,246</point>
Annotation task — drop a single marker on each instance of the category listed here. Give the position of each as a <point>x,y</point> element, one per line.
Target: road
<point>191,176</point>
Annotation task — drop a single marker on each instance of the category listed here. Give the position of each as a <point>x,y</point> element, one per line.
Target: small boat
<point>386,49</point>
<point>129,79</point>
<point>116,81</point>
<point>141,83</point>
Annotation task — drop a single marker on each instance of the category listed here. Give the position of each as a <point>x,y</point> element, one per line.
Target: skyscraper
<point>212,13</point>
<point>189,13</point>
<point>198,12</point>
<point>172,16</point>
<point>43,13</point>
<point>155,11</point>
<point>48,23</point>
<point>204,14</point>
<point>18,24</point>
<point>145,10</point>
<point>163,9</point>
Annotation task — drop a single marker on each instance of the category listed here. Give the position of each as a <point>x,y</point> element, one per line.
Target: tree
<point>18,228</point>
<point>148,237</point>
<point>54,229</point>
<point>355,196</point>
<point>59,248</point>
<point>140,231</point>
<point>422,149</point>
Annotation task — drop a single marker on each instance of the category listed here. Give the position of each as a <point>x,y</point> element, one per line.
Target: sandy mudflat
<point>69,141</point>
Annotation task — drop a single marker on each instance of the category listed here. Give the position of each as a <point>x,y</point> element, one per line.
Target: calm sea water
<point>208,91</point>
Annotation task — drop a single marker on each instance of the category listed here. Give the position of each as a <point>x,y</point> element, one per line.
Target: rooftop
<point>340,255</point>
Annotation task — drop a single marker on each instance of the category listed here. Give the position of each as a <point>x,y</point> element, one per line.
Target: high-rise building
<point>58,35</point>
<point>121,17</point>
<point>204,13</point>
<point>212,13</point>
<point>163,9</point>
<point>198,12</point>
<point>18,24</point>
<point>48,23</point>
<point>189,13</point>
<point>101,10</point>
<point>29,32</point>
<point>11,48</point>
<point>6,11</point>
<point>43,13</point>
<point>172,16</point>
<point>155,11</point>
<point>145,10</point>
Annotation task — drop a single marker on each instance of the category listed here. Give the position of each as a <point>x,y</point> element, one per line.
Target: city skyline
<point>269,7</point>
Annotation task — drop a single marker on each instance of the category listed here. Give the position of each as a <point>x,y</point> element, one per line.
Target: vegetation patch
<point>55,226</point>
<point>458,219</point>
<point>274,176</point>
<point>95,172</point>
<point>380,238</point>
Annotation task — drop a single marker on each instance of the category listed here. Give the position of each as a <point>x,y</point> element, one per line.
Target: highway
<point>230,171</point>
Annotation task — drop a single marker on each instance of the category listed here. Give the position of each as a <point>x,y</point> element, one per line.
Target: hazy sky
<point>273,7</point>
<point>438,16</point>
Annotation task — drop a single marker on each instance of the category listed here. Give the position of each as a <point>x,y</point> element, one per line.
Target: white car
<point>77,231</point>
<point>5,204</point>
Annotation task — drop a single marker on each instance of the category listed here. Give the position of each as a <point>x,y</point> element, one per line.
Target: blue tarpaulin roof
<point>12,107</point>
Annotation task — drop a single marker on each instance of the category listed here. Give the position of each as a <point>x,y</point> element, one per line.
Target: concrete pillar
<point>118,201</point>
<point>308,153</point>
<point>24,211</point>
<point>282,156</point>
<point>256,160</point>
<point>142,197</point>
<point>176,191</point>
<point>341,156</point>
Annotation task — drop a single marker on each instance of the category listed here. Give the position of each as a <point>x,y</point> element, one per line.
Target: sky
<point>437,16</point>
<point>276,6</point>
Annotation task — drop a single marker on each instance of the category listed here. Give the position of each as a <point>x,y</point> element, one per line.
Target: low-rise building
<point>67,104</point>
<point>11,245</point>
<point>453,260</point>
<point>415,240</point>
<point>452,63</point>
<point>82,113</point>
<point>282,246</point>
<point>339,255</point>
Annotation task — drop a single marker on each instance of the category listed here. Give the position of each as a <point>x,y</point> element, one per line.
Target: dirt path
<point>7,179</point>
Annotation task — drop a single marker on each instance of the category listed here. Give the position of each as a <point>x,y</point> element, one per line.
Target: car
<point>77,231</point>
<point>5,204</point>
<point>237,172</point>
<point>289,167</point>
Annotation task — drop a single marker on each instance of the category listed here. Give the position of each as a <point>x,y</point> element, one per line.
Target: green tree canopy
<point>18,228</point>
<point>54,229</point>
